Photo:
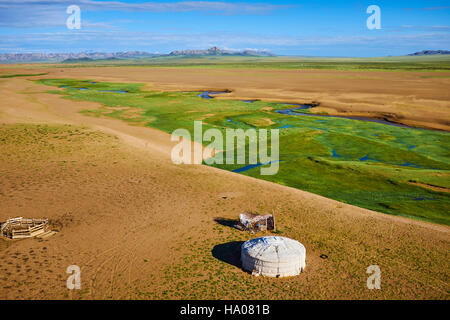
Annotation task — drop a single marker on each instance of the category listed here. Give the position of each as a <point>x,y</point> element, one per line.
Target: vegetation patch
<point>21,75</point>
<point>366,164</point>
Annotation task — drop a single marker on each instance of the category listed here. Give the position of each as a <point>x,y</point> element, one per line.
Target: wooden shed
<point>255,223</point>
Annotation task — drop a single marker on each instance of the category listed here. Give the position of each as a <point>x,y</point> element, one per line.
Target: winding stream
<point>295,112</point>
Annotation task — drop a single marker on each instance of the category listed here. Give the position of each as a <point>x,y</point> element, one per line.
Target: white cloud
<point>42,13</point>
<point>436,8</point>
<point>112,40</point>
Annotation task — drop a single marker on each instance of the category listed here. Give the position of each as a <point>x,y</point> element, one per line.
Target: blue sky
<point>310,28</point>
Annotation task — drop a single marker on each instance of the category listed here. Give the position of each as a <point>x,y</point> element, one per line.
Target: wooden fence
<point>19,228</point>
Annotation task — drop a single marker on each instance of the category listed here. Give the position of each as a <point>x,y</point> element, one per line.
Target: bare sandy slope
<point>141,227</point>
<point>412,98</point>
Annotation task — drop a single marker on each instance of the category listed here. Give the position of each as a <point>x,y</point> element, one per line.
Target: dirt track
<point>127,216</point>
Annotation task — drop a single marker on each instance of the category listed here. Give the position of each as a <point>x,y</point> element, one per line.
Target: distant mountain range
<point>91,56</point>
<point>429,53</point>
<point>215,51</point>
<point>83,56</point>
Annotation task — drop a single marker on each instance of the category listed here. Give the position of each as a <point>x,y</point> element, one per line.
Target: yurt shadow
<point>229,252</point>
<point>226,222</point>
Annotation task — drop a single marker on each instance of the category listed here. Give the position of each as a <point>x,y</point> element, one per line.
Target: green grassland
<point>402,63</point>
<point>21,75</point>
<point>366,164</point>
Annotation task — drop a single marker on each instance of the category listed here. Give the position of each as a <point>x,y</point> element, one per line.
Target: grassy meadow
<point>408,63</point>
<point>395,170</point>
<point>399,63</point>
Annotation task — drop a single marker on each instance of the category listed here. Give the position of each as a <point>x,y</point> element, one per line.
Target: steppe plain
<point>141,227</point>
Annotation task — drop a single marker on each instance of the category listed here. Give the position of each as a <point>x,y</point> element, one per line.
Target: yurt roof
<point>274,249</point>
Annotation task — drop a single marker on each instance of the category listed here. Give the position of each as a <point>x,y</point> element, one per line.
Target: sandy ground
<point>413,98</point>
<point>131,219</point>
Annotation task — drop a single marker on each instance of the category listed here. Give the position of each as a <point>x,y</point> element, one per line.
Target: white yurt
<point>273,257</point>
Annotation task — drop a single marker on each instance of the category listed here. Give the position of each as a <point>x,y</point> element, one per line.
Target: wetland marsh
<point>388,168</point>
